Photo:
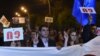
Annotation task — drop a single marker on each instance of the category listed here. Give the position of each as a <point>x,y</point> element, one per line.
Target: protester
<point>52,34</point>
<point>44,39</point>
<point>34,38</point>
<point>27,38</point>
<point>73,38</point>
<point>60,39</point>
<point>88,32</point>
<point>15,44</point>
<point>66,33</point>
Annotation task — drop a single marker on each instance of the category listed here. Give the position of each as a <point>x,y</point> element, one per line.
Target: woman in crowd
<point>73,38</point>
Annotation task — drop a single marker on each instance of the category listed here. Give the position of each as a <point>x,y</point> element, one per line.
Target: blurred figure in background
<point>27,38</point>
<point>93,31</point>
<point>89,32</point>
<point>16,44</point>
<point>60,39</point>
<point>52,34</point>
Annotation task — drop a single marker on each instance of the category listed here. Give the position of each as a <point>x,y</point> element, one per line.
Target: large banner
<point>92,47</point>
<point>50,51</point>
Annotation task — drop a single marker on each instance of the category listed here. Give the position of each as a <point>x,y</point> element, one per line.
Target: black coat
<point>87,34</point>
<point>51,43</point>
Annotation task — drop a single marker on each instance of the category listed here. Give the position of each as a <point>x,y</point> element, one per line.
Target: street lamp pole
<point>28,19</point>
<point>49,7</point>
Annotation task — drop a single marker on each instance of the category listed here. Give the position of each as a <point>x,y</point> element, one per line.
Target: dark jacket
<point>51,43</point>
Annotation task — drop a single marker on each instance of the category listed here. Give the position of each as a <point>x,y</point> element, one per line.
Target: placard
<point>12,34</point>
<point>90,10</point>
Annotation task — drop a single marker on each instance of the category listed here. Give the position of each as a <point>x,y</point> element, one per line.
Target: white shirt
<point>45,41</point>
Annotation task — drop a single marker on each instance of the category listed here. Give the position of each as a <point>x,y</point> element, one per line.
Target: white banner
<point>12,34</point>
<point>31,51</point>
<point>92,47</point>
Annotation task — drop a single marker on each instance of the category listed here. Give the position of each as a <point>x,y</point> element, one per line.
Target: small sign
<point>49,19</point>
<point>4,21</point>
<point>90,10</point>
<point>18,20</point>
<point>21,20</point>
<point>12,34</point>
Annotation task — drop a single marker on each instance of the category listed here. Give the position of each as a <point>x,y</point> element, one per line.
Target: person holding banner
<point>43,38</point>
<point>34,38</point>
<point>88,32</point>
<point>15,44</point>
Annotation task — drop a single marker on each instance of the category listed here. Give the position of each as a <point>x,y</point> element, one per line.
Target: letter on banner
<point>12,34</point>
<point>88,10</point>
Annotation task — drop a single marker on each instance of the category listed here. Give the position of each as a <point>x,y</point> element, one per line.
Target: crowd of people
<point>44,36</point>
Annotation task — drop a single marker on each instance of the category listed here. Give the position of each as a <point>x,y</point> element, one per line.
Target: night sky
<point>9,7</point>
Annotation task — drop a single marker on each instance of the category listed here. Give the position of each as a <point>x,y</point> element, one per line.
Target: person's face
<point>44,32</point>
<point>73,36</point>
<point>33,34</point>
<point>93,29</point>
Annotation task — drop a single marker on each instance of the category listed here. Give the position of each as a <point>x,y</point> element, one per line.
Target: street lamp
<point>24,9</point>
<point>28,20</point>
<point>17,14</point>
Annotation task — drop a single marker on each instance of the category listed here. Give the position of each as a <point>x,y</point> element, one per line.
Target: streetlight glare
<point>24,9</point>
<point>17,14</point>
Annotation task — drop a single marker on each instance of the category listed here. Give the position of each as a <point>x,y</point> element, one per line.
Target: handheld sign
<point>4,21</point>
<point>18,20</point>
<point>49,19</point>
<point>89,10</point>
<point>12,34</point>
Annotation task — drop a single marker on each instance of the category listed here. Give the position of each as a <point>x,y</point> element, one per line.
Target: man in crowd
<point>43,38</point>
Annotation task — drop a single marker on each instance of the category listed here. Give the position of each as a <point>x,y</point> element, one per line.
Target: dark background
<point>38,9</point>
